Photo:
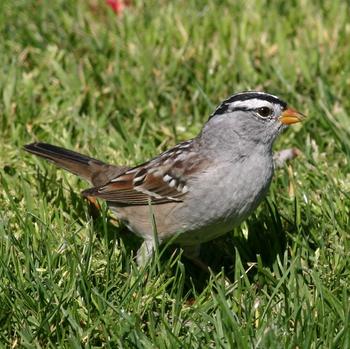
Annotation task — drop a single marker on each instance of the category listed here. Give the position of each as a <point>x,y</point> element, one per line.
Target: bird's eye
<point>264,112</point>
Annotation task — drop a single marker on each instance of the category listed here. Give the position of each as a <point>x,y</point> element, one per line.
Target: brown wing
<point>160,180</point>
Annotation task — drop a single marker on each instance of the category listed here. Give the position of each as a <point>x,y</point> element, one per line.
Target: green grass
<point>125,88</point>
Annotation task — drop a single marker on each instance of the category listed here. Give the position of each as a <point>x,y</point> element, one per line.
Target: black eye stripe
<point>255,110</point>
<point>242,109</point>
<point>247,109</point>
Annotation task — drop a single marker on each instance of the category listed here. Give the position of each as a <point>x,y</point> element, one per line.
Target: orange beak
<point>291,116</point>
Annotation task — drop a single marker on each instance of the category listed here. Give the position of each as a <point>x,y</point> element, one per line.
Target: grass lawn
<point>123,89</point>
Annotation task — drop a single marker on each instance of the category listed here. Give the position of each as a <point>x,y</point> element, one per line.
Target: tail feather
<point>54,153</point>
<point>92,170</point>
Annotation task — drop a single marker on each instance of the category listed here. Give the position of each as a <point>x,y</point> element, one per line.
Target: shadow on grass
<point>265,237</point>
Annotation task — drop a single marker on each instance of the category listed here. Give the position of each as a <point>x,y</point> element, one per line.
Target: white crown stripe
<point>251,104</point>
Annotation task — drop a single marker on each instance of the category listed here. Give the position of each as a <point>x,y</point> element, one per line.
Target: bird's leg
<point>145,252</point>
<point>192,253</point>
<point>94,207</point>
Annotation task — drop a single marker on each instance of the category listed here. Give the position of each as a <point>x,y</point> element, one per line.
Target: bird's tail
<point>92,170</point>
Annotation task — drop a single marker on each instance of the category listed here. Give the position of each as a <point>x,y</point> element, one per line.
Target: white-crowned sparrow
<point>201,188</point>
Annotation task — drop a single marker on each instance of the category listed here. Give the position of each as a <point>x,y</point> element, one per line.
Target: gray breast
<point>224,197</point>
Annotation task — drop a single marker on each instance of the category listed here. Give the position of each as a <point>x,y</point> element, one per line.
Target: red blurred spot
<point>117,5</point>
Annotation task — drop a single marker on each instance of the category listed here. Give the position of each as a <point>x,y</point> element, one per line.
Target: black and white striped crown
<point>228,105</point>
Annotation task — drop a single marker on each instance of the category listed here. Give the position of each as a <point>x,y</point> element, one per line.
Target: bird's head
<point>255,117</point>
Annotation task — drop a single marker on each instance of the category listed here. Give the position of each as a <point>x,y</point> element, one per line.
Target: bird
<point>198,190</point>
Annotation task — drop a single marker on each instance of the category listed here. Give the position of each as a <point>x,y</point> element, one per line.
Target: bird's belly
<point>225,203</point>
